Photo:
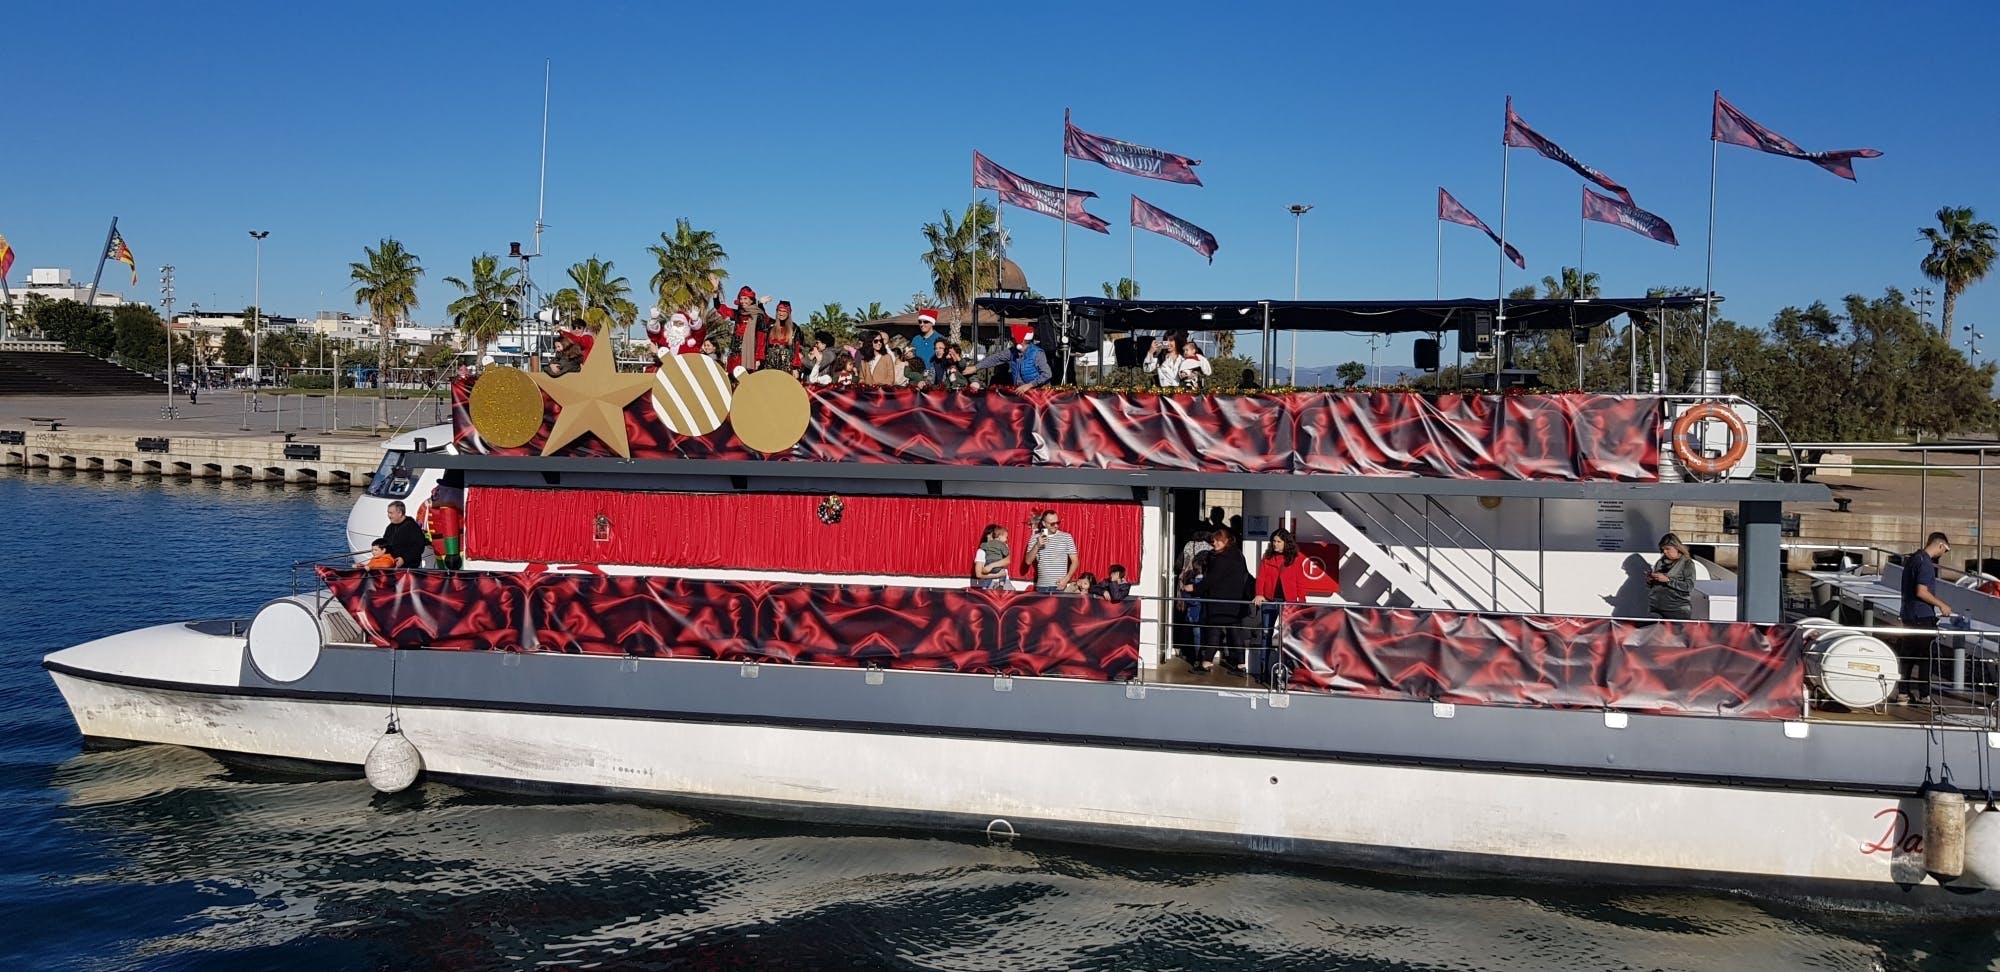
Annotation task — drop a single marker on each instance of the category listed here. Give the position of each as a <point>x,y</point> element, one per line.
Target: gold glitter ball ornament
<point>506,407</point>
<point>769,411</point>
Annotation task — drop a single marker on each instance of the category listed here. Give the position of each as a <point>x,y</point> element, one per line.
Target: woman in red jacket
<point>1281,578</point>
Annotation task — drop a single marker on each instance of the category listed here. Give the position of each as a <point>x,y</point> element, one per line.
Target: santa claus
<point>680,333</point>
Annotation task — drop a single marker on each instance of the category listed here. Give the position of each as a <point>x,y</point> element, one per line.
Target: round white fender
<point>1982,848</point>
<point>393,763</point>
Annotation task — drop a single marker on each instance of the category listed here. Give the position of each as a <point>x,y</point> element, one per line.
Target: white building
<point>55,283</point>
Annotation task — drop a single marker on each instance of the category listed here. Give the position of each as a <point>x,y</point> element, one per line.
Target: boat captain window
<point>392,479</point>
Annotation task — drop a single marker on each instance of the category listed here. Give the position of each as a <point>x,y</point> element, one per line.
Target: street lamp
<point>1298,211</point>
<point>257,315</point>
<point>167,302</point>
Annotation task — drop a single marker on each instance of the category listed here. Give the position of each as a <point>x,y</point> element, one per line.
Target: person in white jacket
<point>1164,360</point>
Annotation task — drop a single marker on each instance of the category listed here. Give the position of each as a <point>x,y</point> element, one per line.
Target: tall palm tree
<point>385,282</point>
<point>1961,254</point>
<point>486,310</point>
<point>1125,289</point>
<point>964,258</point>
<point>1569,288</point>
<point>602,296</point>
<point>873,312</point>
<point>690,267</point>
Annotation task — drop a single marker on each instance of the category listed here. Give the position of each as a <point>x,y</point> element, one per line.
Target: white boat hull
<point>1312,809</point>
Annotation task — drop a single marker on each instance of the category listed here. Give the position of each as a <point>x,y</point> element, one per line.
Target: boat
<point>755,600</point>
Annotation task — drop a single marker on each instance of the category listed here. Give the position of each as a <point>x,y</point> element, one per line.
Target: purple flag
<point>1605,209</point>
<point>1149,217</point>
<point>1736,128</point>
<point>1519,135</point>
<point>1039,197</point>
<point>1138,160</point>
<point>1452,211</point>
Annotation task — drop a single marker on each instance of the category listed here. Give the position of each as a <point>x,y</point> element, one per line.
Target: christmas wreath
<point>830,510</point>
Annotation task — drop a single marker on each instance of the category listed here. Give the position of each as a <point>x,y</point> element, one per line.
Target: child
<point>379,555</point>
<point>1114,586</point>
<point>989,567</point>
<point>1085,584</point>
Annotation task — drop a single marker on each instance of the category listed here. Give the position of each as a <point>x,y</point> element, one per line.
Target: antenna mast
<point>542,191</point>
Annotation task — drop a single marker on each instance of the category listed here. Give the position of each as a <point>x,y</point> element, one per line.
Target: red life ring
<point>1690,454</point>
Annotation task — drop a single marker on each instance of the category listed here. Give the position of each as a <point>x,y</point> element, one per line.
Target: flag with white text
<point>1519,135</point>
<point>1127,157</point>
<point>1038,197</point>
<point>1736,128</point>
<point>1152,218</point>
<point>1605,209</point>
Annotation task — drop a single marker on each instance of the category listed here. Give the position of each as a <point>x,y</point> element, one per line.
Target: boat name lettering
<point>1897,839</point>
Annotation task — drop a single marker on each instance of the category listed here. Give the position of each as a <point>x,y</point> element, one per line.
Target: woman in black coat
<point>1225,591</point>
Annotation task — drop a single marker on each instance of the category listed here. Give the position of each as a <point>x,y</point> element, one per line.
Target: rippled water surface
<point>156,857</point>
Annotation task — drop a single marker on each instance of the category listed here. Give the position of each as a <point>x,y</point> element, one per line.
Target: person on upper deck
<point>948,373</point>
<point>1921,607</point>
<point>1670,581</point>
<point>879,364</point>
<point>926,341</point>
<point>1164,359</point>
<point>1195,369</point>
<point>1025,360</point>
<point>379,555</point>
<point>1115,586</point>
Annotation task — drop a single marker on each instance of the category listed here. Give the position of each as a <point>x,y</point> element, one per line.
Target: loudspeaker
<point>1476,335</point>
<point>1127,353</point>
<point>1427,354</point>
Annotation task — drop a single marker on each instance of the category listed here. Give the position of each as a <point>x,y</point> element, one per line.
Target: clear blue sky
<point>815,139</point>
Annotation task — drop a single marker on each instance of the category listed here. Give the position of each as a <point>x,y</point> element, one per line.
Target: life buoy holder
<point>1689,452</point>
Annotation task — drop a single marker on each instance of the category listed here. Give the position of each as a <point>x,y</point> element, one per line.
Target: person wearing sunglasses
<point>879,366</point>
<point>1053,552</point>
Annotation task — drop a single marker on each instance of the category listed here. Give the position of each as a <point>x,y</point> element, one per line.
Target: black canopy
<point>1367,316</point>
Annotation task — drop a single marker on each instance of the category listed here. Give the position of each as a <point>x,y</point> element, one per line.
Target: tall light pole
<point>167,304</point>
<point>257,315</point>
<point>1298,211</point>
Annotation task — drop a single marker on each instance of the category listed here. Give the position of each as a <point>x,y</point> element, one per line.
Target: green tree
<point>836,322</point>
<point>385,282</point>
<point>235,347</point>
<point>1125,289</point>
<point>1962,251</point>
<point>1568,287</point>
<point>963,259</point>
<point>283,349</point>
<point>918,302</point>
<point>139,334</point>
<point>79,328</point>
<point>486,308</point>
<point>690,268</point>
<point>601,297</point>
<point>1351,373</point>
<point>873,312</point>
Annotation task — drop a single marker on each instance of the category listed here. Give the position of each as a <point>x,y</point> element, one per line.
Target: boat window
<point>393,480</point>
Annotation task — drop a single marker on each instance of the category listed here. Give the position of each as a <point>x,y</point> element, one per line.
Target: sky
<point>816,139</point>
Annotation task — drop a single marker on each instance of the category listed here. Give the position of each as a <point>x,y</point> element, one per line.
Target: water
<point>156,857</point>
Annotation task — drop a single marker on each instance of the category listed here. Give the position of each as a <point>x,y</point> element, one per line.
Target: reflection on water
<point>159,856</point>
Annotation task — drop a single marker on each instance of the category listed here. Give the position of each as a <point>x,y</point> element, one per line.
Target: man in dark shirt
<point>1921,608</point>
<point>406,538</point>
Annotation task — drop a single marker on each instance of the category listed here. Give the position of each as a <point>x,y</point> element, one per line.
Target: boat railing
<point>1455,529</point>
<point>1764,418</point>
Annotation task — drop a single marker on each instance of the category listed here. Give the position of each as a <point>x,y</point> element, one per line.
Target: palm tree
<point>1961,254</point>
<point>601,296</point>
<point>964,258</point>
<point>1568,288</point>
<point>690,267</point>
<point>487,309</point>
<point>873,312</point>
<point>1125,289</point>
<point>385,282</point>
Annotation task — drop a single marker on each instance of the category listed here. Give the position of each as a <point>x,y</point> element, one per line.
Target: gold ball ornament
<point>506,407</point>
<point>770,411</point>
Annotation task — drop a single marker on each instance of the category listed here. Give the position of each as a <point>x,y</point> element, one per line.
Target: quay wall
<point>1872,535</point>
<point>340,464</point>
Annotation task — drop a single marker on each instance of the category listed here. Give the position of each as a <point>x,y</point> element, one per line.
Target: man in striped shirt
<point>1054,554</point>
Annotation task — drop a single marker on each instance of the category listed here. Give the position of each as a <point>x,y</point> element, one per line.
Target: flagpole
<point>1577,294</point>
<point>1062,340</point>
<point>102,253</point>
<point>1708,276</point>
<point>974,213</point>
<point>1500,288</point>
<point>1439,293</point>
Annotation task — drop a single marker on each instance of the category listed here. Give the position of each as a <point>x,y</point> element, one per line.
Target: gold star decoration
<point>593,400</point>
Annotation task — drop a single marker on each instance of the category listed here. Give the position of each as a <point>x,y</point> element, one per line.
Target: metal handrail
<point>1493,552</point>
<point>1762,414</point>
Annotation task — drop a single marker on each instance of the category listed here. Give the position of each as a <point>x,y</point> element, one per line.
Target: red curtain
<point>921,536</point>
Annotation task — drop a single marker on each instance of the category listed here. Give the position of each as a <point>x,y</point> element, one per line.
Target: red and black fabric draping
<point>1711,668</point>
<point>1563,437</point>
<point>917,536</point>
<point>924,629</point>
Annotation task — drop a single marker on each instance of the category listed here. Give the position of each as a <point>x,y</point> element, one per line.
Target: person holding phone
<point>1053,552</point>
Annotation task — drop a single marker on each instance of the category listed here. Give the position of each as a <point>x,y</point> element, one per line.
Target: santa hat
<point>927,314</point>
<point>680,319</point>
<point>784,305</point>
<point>1022,333</point>
<point>745,292</point>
